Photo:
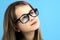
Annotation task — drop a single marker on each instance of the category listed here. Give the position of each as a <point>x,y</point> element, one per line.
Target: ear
<point>17,29</point>
<point>14,27</point>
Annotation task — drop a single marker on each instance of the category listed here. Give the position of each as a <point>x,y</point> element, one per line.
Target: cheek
<point>24,27</point>
<point>38,22</point>
<point>37,19</point>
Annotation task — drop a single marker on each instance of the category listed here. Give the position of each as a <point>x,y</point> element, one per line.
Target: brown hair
<point>10,26</point>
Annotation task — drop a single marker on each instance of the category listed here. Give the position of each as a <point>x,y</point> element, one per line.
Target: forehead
<point>19,10</point>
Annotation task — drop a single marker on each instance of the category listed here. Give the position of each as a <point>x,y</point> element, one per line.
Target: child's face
<point>33,22</point>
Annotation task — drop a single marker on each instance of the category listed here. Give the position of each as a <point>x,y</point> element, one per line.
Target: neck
<point>29,35</point>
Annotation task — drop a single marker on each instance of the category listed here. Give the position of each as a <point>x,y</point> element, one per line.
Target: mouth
<point>34,23</point>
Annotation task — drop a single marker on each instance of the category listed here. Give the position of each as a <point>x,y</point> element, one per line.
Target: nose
<point>31,18</point>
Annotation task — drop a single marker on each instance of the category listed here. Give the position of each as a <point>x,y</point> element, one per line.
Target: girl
<point>21,22</point>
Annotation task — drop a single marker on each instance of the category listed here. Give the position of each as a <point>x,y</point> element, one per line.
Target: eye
<point>24,18</point>
<point>32,13</point>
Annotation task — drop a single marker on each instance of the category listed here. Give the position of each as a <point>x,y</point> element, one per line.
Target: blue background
<point>49,15</point>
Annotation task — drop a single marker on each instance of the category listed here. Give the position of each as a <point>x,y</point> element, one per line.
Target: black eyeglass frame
<point>16,21</point>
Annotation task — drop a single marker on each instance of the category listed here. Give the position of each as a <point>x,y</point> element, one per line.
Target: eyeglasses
<point>25,17</point>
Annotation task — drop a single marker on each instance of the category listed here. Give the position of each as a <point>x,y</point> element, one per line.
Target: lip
<point>34,23</point>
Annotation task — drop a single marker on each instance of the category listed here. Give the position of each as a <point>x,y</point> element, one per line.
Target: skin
<point>26,28</point>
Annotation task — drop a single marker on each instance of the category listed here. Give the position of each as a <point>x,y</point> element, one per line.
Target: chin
<point>35,28</point>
